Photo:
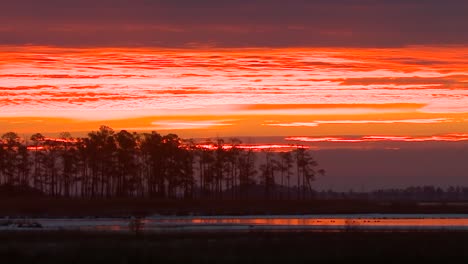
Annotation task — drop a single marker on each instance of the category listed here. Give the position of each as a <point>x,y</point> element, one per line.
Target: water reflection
<point>319,222</point>
<point>327,221</point>
<point>249,223</point>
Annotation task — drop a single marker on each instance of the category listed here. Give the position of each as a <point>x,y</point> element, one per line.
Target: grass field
<point>253,247</point>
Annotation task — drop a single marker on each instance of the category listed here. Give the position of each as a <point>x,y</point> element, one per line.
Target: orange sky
<point>415,92</point>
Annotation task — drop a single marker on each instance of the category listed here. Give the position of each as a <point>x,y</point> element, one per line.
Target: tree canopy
<point>108,164</point>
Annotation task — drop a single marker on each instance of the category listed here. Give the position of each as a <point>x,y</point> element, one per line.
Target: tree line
<point>428,193</point>
<point>111,164</point>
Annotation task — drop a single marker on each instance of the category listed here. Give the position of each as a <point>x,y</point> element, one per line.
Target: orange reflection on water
<point>423,222</point>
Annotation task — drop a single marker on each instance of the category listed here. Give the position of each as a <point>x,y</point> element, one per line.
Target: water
<point>254,223</point>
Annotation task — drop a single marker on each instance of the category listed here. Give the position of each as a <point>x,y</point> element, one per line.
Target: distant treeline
<point>414,193</point>
<point>124,164</point>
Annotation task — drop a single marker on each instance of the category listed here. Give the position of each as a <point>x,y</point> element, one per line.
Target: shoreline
<point>70,207</point>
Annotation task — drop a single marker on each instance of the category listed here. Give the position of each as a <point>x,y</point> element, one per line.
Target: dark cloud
<point>241,23</point>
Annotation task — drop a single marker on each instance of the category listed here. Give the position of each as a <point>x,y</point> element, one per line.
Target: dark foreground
<point>68,207</point>
<point>253,247</point>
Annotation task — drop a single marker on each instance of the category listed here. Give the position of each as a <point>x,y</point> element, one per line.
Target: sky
<point>228,23</point>
<point>415,92</point>
<point>380,75</point>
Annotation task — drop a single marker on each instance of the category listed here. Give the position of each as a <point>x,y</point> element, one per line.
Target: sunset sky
<point>297,71</point>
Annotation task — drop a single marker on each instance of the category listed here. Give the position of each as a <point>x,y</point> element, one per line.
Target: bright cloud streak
<point>403,121</point>
<point>174,125</point>
<point>446,138</point>
<point>42,78</point>
<point>237,91</point>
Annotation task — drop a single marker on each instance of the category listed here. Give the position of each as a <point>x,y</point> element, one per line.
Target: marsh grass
<point>253,247</point>
<point>73,207</point>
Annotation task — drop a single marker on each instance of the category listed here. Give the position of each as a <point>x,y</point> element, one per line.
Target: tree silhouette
<point>205,157</point>
<point>151,149</point>
<point>111,164</point>
<point>3,155</point>
<point>286,166</point>
<point>306,171</point>
<point>128,181</point>
<point>101,150</point>
<point>232,167</point>
<point>268,170</point>
<point>247,171</point>
<point>12,158</point>
<point>37,139</point>
<point>68,155</point>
